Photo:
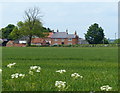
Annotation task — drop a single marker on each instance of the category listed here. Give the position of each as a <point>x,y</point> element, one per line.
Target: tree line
<point>32,26</point>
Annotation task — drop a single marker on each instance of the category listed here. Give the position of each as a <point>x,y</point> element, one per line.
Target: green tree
<point>117,41</point>
<point>94,34</point>
<point>7,30</point>
<point>105,41</point>
<point>15,34</point>
<point>32,26</point>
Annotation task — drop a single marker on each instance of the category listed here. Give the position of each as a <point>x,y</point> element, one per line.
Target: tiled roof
<point>3,39</point>
<point>71,36</point>
<point>10,42</point>
<point>62,35</point>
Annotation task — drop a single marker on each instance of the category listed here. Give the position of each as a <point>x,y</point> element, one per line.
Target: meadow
<point>97,65</point>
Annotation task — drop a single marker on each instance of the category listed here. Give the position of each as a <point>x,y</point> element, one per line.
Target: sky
<point>74,16</point>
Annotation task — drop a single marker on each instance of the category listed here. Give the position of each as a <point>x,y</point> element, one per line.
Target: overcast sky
<point>74,16</point>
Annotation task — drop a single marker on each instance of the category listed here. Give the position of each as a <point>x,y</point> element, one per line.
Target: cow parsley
<point>61,71</point>
<point>0,70</point>
<point>17,75</point>
<point>34,69</point>
<point>106,88</point>
<point>76,75</point>
<point>10,65</point>
<point>31,72</point>
<point>60,85</point>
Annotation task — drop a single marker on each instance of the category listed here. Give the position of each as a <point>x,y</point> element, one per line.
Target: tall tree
<point>32,26</point>
<point>6,31</point>
<point>15,34</point>
<point>94,34</point>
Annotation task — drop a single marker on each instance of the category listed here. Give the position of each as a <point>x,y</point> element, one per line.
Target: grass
<point>98,66</point>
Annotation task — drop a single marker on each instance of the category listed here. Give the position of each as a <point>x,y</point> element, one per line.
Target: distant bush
<point>87,45</point>
<point>35,46</point>
<point>39,46</point>
<point>79,45</point>
<point>98,45</point>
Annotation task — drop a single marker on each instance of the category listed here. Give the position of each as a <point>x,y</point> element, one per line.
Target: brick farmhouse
<point>60,38</point>
<point>53,38</point>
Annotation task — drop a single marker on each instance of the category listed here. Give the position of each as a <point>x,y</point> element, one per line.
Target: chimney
<point>67,31</point>
<point>53,31</point>
<point>57,30</point>
<point>75,33</point>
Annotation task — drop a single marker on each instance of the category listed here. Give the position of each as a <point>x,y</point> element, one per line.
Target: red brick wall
<point>9,45</point>
<point>19,45</point>
<point>16,45</point>
<point>59,41</point>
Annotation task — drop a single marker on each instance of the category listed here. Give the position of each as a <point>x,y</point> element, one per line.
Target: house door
<point>62,43</point>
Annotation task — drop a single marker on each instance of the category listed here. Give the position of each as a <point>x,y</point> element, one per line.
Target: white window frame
<point>69,39</point>
<point>55,44</point>
<point>22,42</point>
<point>55,39</point>
<point>69,43</point>
<point>62,39</point>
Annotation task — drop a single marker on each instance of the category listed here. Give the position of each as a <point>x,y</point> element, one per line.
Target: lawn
<point>98,66</point>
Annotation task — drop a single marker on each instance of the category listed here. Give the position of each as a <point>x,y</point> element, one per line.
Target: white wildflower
<point>60,84</point>
<point>37,70</point>
<point>14,63</point>
<point>106,88</point>
<point>61,71</point>
<point>21,75</point>
<point>76,75</point>
<point>34,69</point>
<point>10,65</point>
<point>0,70</point>
<point>13,75</point>
<point>31,72</point>
<point>17,75</point>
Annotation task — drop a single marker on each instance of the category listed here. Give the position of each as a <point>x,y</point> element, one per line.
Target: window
<point>55,44</point>
<point>55,39</point>
<point>22,42</point>
<point>69,39</point>
<point>63,39</point>
<point>69,43</point>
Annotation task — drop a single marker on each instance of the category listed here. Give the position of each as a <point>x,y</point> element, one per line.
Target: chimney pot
<point>67,31</point>
<point>75,33</point>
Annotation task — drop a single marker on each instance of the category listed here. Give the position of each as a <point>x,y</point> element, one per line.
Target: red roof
<point>41,40</point>
<point>10,42</point>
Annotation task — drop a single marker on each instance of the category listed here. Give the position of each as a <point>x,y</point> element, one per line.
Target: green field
<point>98,66</point>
